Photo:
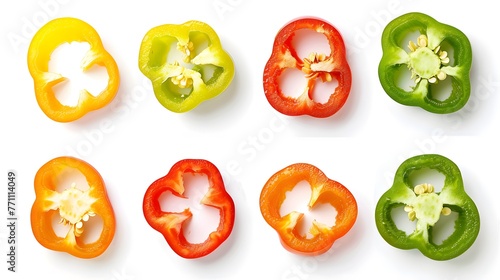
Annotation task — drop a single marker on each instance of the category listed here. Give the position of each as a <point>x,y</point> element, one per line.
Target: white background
<point>135,140</point>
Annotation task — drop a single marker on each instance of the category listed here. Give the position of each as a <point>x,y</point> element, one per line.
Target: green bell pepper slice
<point>428,59</point>
<point>425,206</point>
<point>199,70</point>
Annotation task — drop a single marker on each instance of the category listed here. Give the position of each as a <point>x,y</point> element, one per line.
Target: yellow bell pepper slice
<point>49,38</point>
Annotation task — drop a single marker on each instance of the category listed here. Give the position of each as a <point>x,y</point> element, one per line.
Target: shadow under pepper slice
<point>74,206</point>
<point>425,206</point>
<point>171,224</point>
<point>316,66</point>
<point>428,61</point>
<point>46,40</point>
<point>202,71</point>
<point>324,190</point>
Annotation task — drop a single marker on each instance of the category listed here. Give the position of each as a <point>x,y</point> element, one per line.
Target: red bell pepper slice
<point>324,190</point>
<point>171,224</point>
<point>316,66</point>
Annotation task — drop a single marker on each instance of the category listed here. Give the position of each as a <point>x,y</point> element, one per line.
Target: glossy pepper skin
<point>75,206</point>
<point>426,206</point>
<point>171,224</point>
<point>204,71</point>
<point>324,190</point>
<point>428,61</point>
<point>45,41</point>
<point>317,67</point>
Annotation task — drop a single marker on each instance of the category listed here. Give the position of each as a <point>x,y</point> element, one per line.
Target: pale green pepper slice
<point>201,70</point>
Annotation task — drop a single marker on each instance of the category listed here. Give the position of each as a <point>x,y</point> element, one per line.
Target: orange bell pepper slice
<point>324,190</point>
<point>74,206</point>
<point>45,41</point>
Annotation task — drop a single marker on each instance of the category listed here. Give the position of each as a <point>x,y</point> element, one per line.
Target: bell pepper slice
<point>316,66</point>
<point>324,190</point>
<point>53,34</point>
<point>425,206</point>
<point>171,224</point>
<point>202,71</point>
<point>75,206</point>
<point>428,61</point>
